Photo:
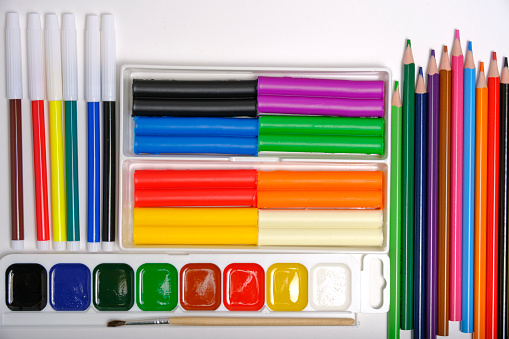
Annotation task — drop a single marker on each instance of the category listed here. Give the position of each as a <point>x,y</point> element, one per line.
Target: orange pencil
<point>322,199</point>
<point>481,180</point>
<point>320,180</point>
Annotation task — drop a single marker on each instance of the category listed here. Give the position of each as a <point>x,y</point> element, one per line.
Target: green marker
<point>70,96</point>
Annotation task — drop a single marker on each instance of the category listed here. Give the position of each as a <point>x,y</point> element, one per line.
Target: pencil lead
<point>432,52</point>
<point>481,68</point>
<point>396,82</point>
<point>505,61</point>
<point>470,46</point>
<point>408,43</point>
<point>420,71</point>
<point>445,49</point>
<point>458,34</point>
<point>494,56</point>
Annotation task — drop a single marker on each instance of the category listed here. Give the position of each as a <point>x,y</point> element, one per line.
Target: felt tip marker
<point>15,94</point>
<point>93,97</point>
<point>54,94</point>
<point>108,77</point>
<point>36,94</point>
<point>70,96</point>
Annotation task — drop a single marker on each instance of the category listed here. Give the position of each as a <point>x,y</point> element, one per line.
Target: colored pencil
<point>503,209</point>
<point>393,324</point>
<point>432,201</point>
<point>407,205</point>
<point>481,164</point>
<point>421,109</point>
<point>15,94</point>
<point>492,198</point>
<point>457,183</point>
<point>54,94</point>
<point>70,96</point>
<point>444,194</point>
<point>35,51</point>
<point>467,290</point>
<point>93,97</point>
<point>108,71</point>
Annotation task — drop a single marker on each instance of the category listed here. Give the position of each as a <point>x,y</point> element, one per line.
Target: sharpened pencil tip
<point>420,71</point>
<point>432,52</point>
<point>396,83</point>
<point>505,61</point>
<point>494,56</point>
<point>470,46</point>
<point>408,43</point>
<point>445,49</point>
<point>481,68</point>
<point>458,34</point>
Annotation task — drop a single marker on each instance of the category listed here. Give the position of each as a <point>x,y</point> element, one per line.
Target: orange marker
<point>320,180</point>
<point>322,199</point>
<point>481,164</point>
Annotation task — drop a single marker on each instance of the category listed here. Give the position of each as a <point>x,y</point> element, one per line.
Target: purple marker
<point>321,106</point>
<point>330,88</point>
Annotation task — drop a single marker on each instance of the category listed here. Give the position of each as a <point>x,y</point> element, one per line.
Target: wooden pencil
<point>503,210</point>
<point>421,109</point>
<point>481,168</point>
<point>444,194</point>
<point>393,317</point>
<point>407,205</point>
<point>432,201</point>
<point>457,183</point>
<point>467,289</point>
<point>492,198</point>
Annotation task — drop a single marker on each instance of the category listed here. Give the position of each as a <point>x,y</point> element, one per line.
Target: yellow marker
<point>57,172</point>
<point>206,235</point>
<point>194,217</point>
<point>54,94</point>
<point>287,287</point>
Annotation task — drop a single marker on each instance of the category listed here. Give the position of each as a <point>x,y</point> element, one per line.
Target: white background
<point>247,33</point>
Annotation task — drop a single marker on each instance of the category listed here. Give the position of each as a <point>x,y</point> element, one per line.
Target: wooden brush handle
<point>238,321</point>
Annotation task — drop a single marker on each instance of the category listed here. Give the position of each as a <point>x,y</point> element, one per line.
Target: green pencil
<point>407,205</point>
<point>393,318</point>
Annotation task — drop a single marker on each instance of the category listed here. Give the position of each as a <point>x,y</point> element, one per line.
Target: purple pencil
<point>321,106</point>
<point>432,241</point>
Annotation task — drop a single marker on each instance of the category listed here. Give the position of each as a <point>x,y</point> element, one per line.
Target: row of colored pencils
<point>449,223</point>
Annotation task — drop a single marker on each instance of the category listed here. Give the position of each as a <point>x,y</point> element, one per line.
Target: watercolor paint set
<point>84,289</point>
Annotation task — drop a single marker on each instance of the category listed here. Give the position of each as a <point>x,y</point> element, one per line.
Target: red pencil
<point>492,199</point>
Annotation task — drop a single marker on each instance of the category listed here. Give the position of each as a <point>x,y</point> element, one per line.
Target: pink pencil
<point>457,179</point>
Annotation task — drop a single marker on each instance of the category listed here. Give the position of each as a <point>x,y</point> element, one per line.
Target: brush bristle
<point>116,323</point>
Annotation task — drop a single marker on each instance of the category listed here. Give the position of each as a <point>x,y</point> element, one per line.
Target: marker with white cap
<point>108,76</point>
<point>15,94</point>
<point>54,94</point>
<point>70,96</point>
<point>93,97</point>
<point>36,95</point>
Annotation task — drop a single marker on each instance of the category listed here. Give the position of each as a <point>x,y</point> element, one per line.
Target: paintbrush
<point>236,321</point>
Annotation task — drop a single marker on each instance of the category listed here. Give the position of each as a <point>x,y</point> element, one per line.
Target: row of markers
<point>250,207</point>
<point>220,117</point>
<point>453,199</point>
<point>58,52</point>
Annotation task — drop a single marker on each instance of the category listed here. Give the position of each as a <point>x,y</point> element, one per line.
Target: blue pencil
<point>93,96</point>
<point>420,250</point>
<point>467,288</point>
